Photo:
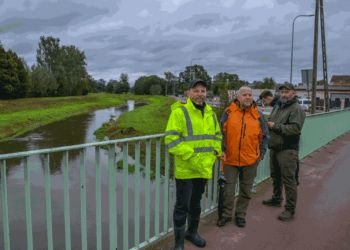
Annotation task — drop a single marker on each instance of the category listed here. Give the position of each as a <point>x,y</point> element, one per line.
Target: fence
<point>318,130</point>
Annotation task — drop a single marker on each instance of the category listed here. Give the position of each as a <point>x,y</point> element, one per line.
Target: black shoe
<point>179,238</point>
<point>192,235</point>
<point>272,202</point>
<point>223,221</point>
<point>286,216</point>
<point>240,222</point>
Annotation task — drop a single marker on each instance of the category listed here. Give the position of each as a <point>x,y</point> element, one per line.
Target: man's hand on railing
<point>223,155</point>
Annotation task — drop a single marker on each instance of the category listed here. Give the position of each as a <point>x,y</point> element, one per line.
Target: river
<point>71,131</point>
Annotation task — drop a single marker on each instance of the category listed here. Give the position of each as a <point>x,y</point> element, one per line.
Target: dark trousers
<point>188,199</point>
<point>246,177</point>
<point>283,166</point>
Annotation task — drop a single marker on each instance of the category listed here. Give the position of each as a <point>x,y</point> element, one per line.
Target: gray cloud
<point>23,48</point>
<point>39,24</point>
<point>101,38</point>
<point>203,22</point>
<point>121,47</point>
<point>170,64</point>
<point>167,42</point>
<point>207,49</point>
<point>48,15</point>
<point>199,21</point>
<point>164,47</point>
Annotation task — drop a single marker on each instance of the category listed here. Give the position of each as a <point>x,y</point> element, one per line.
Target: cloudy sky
<point>251,38</point>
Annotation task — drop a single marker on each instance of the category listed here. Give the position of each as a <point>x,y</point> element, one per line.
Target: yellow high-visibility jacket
<point>192,139</point>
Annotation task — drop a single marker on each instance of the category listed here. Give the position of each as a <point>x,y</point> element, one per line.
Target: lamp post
<point>174,82</point>
<point>291,63</point>
<point>191,67</point>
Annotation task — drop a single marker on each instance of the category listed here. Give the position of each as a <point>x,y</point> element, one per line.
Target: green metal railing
<point>319,129</point>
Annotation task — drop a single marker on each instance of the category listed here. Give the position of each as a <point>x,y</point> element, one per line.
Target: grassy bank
<point>21,115</point>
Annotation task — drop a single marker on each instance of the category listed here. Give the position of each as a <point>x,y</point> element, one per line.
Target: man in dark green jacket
<point>285,123</point>
<point>270,100</point>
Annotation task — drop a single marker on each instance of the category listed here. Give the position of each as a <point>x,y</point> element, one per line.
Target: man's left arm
<point>265,135</point>
<point>296,122</point>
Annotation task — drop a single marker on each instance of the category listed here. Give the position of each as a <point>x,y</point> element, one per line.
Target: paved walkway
<point>322,219</point>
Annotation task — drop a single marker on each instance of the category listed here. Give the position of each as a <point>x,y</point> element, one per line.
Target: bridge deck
<point>322,219</point>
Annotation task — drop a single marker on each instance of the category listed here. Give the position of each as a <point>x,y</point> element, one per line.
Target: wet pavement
<point>322,219</point>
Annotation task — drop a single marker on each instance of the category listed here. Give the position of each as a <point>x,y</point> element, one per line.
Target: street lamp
<point>191,68</point>
<point>291,63</point>
<point>174,82</point>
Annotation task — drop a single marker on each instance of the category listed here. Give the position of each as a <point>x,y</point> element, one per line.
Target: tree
<point>111,86</point>
<point>156,89</point>
<point>170,79</point>
<point>267,83</point>
<point>9,82</point>
<point>73,62</point>
<point>224,98</point>
<point>91,84</point>
<point>101,85</point>
<point>23,77</point>
<point>231,79</point>
<point>143,84</point>
<point>124,80</point>
<point>48,53</point>
<point>320,82</point>
<point>198,72</point>
<point>43,84</point>
<point>217,86</point>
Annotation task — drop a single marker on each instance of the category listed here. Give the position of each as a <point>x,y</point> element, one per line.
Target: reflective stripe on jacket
<point>193,138</point>
<point>245,135</point>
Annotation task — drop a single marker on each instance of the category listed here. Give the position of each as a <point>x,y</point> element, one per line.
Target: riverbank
<point>22,115</point>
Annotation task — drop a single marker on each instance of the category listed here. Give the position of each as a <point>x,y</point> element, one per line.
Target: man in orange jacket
<point>245,137</point>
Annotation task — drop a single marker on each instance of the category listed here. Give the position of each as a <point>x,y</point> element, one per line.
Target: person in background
<point>269,99</point>
<point>193,135</point>
<point>286,122</point>
<point>244,144</point>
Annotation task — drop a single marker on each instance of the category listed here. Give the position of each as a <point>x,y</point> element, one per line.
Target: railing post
<point>66,200</point>
<point>5,213</point>
<point>112,186</point>
<point>83,200</point>
<point>28,205</point>
<point>137,194</point>
<point>48,202</point>
<point>125,196</point>
<point>98,199</point>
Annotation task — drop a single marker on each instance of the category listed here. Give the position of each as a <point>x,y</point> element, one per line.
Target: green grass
<point>21,115</point>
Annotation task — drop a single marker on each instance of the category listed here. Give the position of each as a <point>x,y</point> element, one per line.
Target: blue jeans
<point>188,199</point>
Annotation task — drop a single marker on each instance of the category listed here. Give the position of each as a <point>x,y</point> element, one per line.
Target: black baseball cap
<point>287,85</point>
<point>197,81</point>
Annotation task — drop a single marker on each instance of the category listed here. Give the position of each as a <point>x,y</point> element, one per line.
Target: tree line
<point>61,71</point>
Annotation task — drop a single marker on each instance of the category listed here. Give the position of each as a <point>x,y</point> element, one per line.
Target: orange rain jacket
<point>245,135</point>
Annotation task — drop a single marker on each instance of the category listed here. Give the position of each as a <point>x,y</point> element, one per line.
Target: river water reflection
<point>72,131</point>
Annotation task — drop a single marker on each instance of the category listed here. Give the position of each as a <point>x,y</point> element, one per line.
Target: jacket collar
<point>274,101</point>
<point>253,110</point>
<point>190,105</point>
<point>288,103</point>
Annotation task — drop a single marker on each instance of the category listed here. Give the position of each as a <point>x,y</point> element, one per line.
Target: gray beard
<point>284,101</point>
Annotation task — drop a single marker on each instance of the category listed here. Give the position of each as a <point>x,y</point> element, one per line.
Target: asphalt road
<point>322,219</point>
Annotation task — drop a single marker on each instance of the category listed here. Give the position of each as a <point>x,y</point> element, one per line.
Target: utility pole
<point>324,59</point>
<point>314,70</point>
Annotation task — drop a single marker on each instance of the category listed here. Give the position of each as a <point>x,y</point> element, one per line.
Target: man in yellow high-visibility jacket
<point>193,135</point>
